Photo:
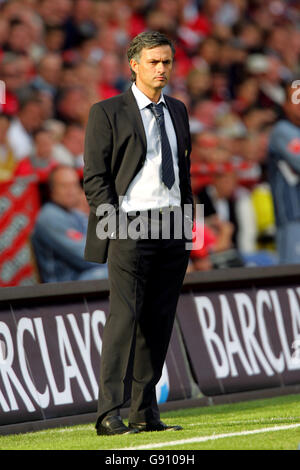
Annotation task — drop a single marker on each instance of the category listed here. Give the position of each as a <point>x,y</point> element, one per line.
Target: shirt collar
<point>142,100</point>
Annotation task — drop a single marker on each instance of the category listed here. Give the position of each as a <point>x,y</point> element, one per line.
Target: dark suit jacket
<point>115,151</point>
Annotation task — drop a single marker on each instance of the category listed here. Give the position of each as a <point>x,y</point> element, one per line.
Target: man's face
<point>225,184</point>
<point>51,69</point>
<point>153,68</point>
<point>74,140</point>
<point>66,188</point>
<point>44,145</point>
<point>31,116</point>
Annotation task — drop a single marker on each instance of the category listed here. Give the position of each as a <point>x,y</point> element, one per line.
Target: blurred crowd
<point>233,58</point>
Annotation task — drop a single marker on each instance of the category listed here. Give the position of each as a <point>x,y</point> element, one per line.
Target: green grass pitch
<point>269,424</point>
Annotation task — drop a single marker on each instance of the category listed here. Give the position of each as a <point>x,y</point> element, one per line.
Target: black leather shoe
<point>114,425</point>
<point>153,426</point>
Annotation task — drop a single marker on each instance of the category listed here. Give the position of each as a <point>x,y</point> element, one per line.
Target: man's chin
<point>159,84</point>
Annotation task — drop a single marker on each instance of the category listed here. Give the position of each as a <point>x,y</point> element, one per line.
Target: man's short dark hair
<point>147,40</point>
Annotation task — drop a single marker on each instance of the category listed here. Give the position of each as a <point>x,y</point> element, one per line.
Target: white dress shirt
<point>146,190</point>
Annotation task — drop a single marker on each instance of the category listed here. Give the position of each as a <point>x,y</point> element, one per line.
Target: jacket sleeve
<point>97,179</point>
<point>285,143</point>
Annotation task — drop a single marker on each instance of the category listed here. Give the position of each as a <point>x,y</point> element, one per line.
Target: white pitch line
<point>212,438</point>
<point>245,421</point>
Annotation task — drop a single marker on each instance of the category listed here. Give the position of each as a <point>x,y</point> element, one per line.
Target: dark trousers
<point>145,279</point>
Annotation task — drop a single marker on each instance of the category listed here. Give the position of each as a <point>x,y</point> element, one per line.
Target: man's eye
<point>165,62</point>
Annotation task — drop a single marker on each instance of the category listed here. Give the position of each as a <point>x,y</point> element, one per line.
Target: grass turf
<point>196,423</point>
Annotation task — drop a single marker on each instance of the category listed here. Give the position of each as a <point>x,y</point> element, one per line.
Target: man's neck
<point>153,95</point>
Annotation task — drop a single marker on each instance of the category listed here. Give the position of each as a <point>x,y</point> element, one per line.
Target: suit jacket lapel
<point>134,116</point>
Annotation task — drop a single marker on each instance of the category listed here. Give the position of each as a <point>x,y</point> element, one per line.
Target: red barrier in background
<point>19,206</point>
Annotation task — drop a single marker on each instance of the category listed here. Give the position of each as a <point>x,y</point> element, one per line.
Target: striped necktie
<point>168,176</point>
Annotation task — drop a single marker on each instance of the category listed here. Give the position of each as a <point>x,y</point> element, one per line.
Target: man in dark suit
<point>137,160</point>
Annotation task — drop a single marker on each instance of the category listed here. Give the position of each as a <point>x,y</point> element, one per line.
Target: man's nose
<point>161,67</point>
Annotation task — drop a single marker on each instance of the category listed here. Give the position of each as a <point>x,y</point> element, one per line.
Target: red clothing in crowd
<point>26,168</point>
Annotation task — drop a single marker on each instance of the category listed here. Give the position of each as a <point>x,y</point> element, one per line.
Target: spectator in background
<point>12,74</point>
<point>256,118</point>
<point>80,25</point>
<point>217,238</point>
<point>60,232</point>
<point>246,94</point>
<point>91,69</point>
<point>209,52</point>
<point>72,105</point>
<point>225,202</point>
<point>250,34</point>
<point>27,120</point>
<point>8,161</point>
<point>284,177</point>
<point>110,83</point>
<point>40,161</point>
<point>205,147</point>
<point>57,129</point>
<point>55,12</point>
<point>268,72</point>
<point>70,150</point>
<point>198,83</point>
<point>19,38</point>
<point>48,74</point>
<point>204,114</point>
<point>54,38</point>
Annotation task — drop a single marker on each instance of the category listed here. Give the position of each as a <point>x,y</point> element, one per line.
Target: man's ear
<point>134,65</point>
